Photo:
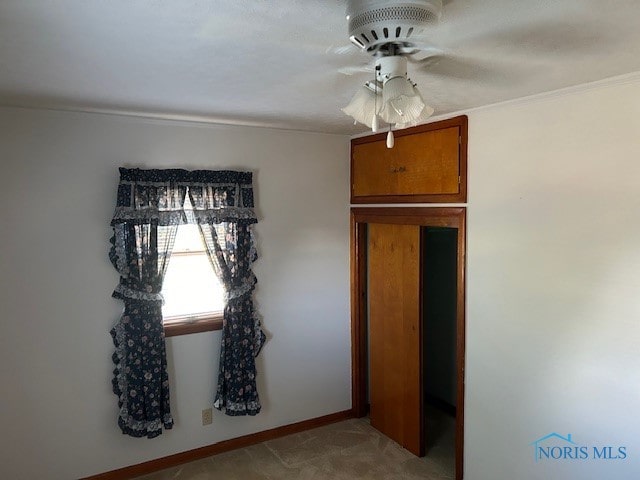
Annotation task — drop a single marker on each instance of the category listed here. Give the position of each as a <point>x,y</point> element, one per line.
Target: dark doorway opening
<point>439,334</point>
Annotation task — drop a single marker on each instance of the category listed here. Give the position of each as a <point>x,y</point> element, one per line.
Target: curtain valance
<point>158,195</point>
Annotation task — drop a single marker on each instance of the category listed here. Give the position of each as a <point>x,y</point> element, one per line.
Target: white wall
<point>59,178</point>
<point>553,339</point>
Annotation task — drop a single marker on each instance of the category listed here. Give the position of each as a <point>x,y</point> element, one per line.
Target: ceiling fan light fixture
<point>401,102</point>
<point>388,30</point>
<point>364,104</point>
<point>397,101</point>
<point>426,112</point>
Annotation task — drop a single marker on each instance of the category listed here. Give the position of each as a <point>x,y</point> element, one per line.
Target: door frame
<point>453,217</point>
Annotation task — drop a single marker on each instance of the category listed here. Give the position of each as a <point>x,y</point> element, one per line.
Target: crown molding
<point>626,79</point>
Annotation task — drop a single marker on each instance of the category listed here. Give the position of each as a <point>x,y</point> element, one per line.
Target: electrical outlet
<point>207,416</point>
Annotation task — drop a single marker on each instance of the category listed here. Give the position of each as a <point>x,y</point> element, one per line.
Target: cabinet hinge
<point>459,139</point>
<point>459,180</point>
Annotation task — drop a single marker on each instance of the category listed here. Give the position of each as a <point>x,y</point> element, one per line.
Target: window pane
<point>188,239</point>
<point>190,285</point>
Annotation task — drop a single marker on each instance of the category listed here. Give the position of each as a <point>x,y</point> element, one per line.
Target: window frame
<point>187,324</point>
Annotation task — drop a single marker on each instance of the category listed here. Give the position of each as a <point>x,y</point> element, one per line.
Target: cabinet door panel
<point>419,164</point>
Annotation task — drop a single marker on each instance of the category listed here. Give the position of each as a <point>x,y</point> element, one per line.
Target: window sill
<point>175,326</point>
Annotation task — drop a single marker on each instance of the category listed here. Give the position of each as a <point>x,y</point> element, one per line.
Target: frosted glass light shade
<point>363,106</point>
<point>402,103</point>
<point>427,111</point>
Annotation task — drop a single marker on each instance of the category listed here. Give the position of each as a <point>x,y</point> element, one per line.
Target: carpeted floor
<point>346,450</point>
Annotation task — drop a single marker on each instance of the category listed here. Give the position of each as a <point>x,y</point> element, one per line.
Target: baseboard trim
<point>220,447</point>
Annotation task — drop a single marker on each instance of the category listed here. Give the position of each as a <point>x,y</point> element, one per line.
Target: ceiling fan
<point>391,32</point>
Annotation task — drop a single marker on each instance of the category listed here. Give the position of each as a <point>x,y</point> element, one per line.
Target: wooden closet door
<point>395,334</point>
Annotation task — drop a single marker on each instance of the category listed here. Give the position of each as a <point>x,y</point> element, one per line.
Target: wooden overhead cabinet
<point>427,164</point>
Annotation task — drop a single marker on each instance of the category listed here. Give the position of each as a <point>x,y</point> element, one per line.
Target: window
<point>148,205</point>
<point>194,297</point>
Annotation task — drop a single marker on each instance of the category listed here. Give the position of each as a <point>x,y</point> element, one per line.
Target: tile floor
<point>346,450</point>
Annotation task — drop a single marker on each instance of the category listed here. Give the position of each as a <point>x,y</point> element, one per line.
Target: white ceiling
<point>272,62</point>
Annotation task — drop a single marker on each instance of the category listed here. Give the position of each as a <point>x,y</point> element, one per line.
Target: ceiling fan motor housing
<point>374,23</point>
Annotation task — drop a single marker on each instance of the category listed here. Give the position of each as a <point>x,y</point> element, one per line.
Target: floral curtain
<point>150,206</point>
<point>148,211</point>
<point>224,213</point>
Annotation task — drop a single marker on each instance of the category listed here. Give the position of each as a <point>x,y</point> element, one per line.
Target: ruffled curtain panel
<point>150,206</point>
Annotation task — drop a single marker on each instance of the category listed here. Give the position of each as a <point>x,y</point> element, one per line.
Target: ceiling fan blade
<point>466,68</point>
<point>348,49</point>
<point>567,29</point>
<point>426,63</point>
<point>355,70</point>
<point>425,54</point>
<point>551,38</point>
